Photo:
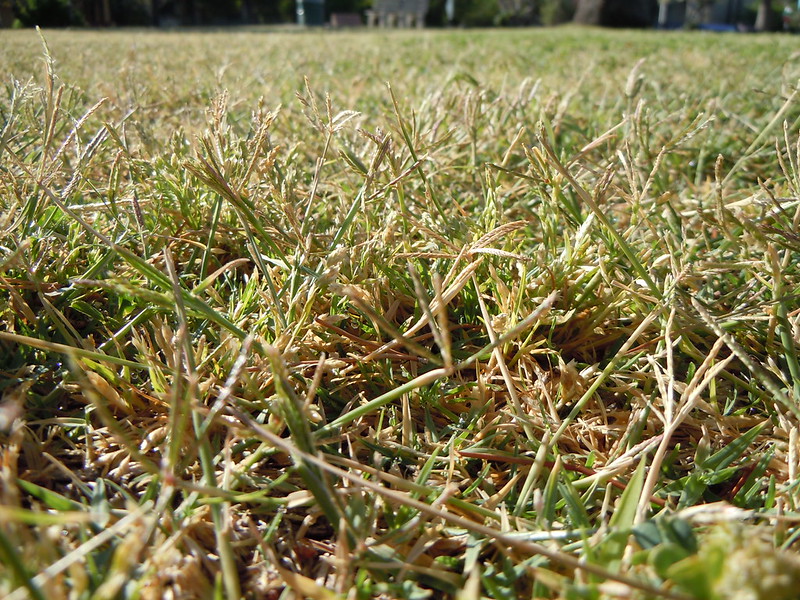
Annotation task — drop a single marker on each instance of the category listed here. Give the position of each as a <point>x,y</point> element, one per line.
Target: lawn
<point>448,314</point>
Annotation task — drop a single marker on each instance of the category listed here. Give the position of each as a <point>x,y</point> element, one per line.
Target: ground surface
<point>461,314</point>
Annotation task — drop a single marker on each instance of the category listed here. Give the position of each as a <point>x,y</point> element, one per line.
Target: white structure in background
<point>663,13</point>
<point>450,11</point>
<point>397,13</point>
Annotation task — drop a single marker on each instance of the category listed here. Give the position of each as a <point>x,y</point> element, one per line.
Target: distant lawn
<point>449,314</point>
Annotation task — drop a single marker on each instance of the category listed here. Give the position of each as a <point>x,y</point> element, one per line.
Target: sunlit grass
<point>462,314</point>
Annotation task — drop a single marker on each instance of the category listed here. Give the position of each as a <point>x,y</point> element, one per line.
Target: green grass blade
<point>12,560</point>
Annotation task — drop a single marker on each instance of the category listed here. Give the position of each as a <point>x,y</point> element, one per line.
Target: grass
<point>486,314</point>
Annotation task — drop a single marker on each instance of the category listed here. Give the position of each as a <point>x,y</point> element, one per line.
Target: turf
<point>454,314</point>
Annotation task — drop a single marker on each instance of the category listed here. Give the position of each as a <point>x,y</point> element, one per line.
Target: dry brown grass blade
<point>691,395</point>
<point>498,536</point>
<point>446,297</point>
<point>511,387</point>
<point>765,378</point>
<point>58,567</point>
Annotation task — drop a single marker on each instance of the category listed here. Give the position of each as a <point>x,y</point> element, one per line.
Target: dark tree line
<point>105,13</point>
<point>761,14</point>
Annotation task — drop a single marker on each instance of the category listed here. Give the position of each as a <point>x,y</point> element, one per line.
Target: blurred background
<point>722,15</point>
